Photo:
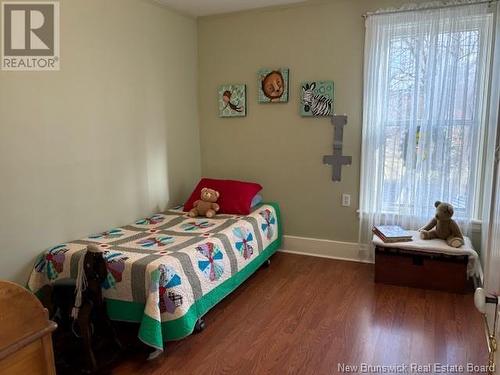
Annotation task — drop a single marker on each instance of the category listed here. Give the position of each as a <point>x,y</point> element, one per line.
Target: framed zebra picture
<point>317,98</point>
<point>273,85</point>
<point>232,100</point>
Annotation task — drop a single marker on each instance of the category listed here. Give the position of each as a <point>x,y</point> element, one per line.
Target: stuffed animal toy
<point>206,206</point>
<point>445,227</point>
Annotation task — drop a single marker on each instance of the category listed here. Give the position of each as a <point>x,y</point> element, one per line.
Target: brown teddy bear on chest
<point>206,206</point>
<point>443,226</point>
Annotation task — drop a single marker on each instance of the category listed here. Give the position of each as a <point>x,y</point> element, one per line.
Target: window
<point>426,75</point>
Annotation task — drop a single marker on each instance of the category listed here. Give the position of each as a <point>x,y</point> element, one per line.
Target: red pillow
<point>235,196</point>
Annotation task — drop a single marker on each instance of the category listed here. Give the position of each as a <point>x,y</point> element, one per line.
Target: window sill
<point>475,223</point>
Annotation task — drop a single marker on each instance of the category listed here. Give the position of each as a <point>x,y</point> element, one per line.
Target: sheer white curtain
<point>426,77</point>
<point>490,252</point>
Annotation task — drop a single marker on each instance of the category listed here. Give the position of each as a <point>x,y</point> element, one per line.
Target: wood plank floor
<point>305,315</point>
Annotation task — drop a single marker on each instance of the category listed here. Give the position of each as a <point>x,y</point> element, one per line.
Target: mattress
<point>167,270</point>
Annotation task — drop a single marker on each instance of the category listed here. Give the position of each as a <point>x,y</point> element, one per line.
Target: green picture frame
<point>232,100</point>
<point>273,85</point>
<point>317,98</point>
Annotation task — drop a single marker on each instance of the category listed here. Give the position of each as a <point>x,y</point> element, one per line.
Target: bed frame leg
<point>199,325</point>
<point>154,354</point>
<point>267,263</point>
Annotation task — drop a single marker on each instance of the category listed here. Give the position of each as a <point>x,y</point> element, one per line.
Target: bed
<point>167,270</point>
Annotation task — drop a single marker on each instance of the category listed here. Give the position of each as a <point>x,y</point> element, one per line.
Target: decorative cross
<point>337,160</point>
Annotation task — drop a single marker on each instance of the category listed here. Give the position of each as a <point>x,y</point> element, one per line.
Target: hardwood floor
<point>306,315</point>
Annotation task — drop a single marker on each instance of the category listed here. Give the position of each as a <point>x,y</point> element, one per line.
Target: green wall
<point>110,137</point>
<point>318,40</point>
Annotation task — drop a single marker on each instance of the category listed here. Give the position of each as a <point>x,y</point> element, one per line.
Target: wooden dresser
<point>25,333</point>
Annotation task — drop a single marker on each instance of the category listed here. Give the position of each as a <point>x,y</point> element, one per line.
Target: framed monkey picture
<point>232,100</point>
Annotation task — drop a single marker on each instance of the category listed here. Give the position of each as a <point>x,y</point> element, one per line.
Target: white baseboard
<point>316,247</point>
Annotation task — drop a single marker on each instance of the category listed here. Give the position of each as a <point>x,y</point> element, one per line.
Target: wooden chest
<point>420,269</point>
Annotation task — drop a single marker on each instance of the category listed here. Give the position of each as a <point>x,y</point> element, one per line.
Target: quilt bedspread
<point>167,270</point>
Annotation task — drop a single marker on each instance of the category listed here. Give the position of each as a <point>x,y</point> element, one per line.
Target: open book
<point>392,233</point>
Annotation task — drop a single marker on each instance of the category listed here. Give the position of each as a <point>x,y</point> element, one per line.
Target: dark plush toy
<point>444,226</point>
<point>206,206</point>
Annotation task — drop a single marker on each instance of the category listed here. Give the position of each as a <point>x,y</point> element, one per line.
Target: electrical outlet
<point>346,200</point>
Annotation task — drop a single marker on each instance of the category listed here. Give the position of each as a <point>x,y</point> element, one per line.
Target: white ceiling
<point>208,7</point>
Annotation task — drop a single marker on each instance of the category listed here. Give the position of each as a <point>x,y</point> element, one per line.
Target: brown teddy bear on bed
<point>445,227</point>
<point>206,206</point>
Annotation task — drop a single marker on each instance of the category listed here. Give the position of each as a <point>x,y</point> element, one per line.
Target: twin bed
<point>166,271</point>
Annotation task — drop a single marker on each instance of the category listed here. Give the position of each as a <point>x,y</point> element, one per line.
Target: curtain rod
<point>369,14</point>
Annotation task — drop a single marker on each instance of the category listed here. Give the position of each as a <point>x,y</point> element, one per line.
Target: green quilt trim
<point>154,333</point>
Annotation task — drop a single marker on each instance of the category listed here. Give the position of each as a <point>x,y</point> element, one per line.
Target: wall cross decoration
<point>337,160</point>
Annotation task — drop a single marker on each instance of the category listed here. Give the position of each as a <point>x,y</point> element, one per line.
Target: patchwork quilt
<point>168,270</point>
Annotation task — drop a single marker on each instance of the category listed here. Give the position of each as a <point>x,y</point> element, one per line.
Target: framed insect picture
<point>273,85</point>
<point>232,100</point>
<point>316,98</point>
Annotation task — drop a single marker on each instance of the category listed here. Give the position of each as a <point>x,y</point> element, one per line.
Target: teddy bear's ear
<point>203,190</point>
<point>217,193</point>
<point>437,203</point>
<point>449,208</point>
